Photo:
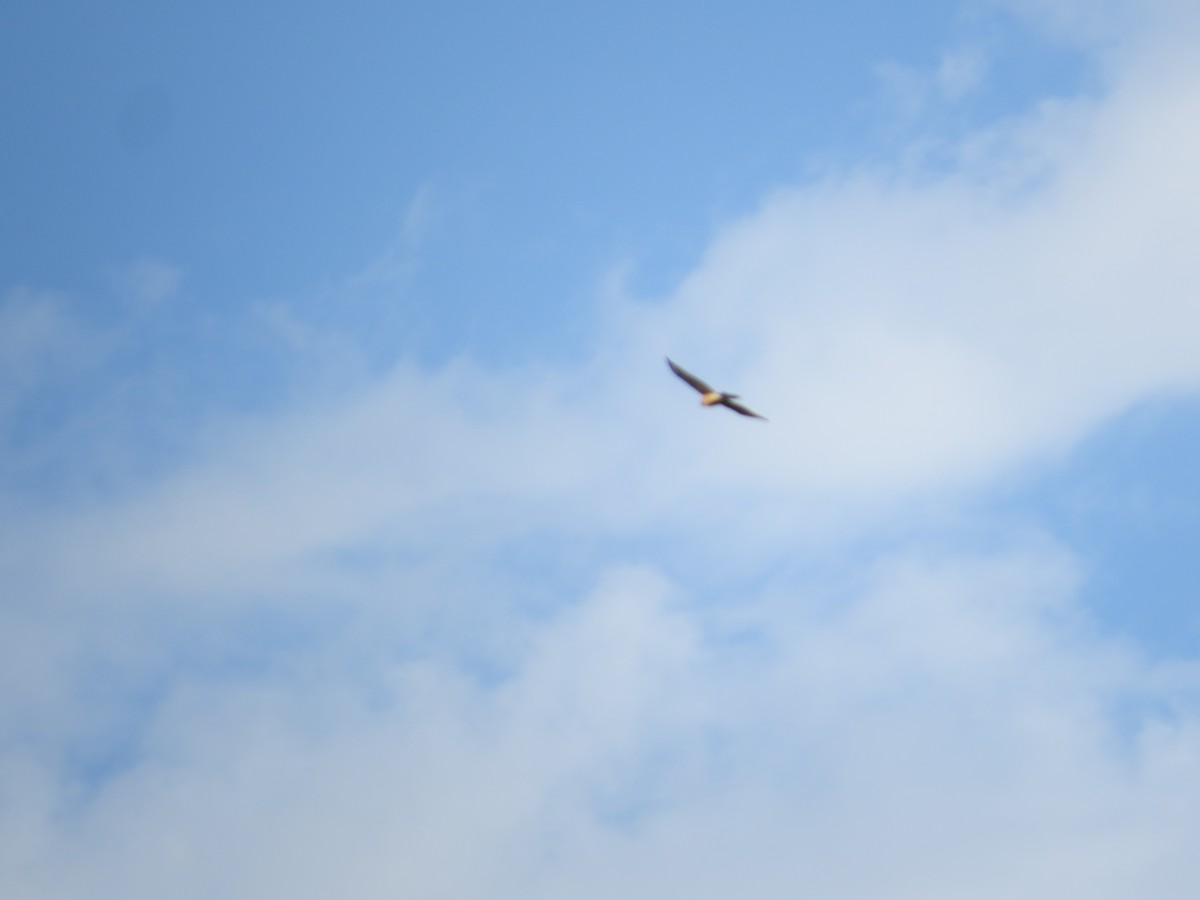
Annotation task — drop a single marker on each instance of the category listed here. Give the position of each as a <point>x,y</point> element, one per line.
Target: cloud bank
<point>554,632</point>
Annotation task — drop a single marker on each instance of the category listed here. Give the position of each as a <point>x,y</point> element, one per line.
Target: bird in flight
<point>709,397</point>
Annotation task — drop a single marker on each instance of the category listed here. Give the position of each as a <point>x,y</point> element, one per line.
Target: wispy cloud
<point>914,92</point>
<point>35,338</point>
<point>147,281</point>
<point>1112,28</point>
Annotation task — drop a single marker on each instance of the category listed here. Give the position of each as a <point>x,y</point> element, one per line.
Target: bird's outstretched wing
<point>738,408</point>
<point>689,378</point>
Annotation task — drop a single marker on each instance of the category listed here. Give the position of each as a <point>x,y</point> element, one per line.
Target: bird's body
<point>710,397</point>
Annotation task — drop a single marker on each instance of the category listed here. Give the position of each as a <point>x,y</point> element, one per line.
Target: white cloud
<point>946,728</point>
<point>917,329</point>
<point>1112,28</point>
<point>554,632</point>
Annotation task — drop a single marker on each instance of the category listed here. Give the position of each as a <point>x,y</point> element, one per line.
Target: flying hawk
<point>709,397</point>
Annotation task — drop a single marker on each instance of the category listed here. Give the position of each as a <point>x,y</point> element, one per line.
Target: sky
<point>355,539</point>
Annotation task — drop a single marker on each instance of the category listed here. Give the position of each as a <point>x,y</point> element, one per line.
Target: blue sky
<point>357,541</point>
